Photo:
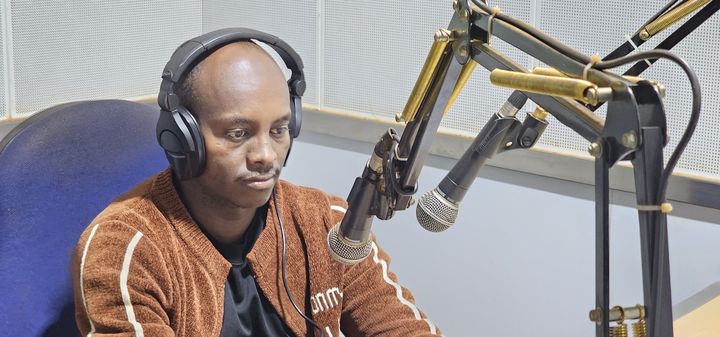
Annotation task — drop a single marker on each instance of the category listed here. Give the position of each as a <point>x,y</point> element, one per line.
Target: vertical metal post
<point>602,240</point>
<point>647,166</point>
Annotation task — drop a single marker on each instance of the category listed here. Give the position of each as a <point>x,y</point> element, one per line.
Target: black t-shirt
<point>247,311</point>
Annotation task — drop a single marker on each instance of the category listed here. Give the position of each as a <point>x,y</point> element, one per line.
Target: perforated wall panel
<point>73,50</point>
<point>295,22</point>
<point>3,67</point>
<point>361,56</point>
<point>371,64</point>
<point>374,51</point>
<point>599,27</point>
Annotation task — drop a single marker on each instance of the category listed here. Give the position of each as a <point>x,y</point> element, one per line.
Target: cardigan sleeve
<point>374,303</point>
<point>120,282</point>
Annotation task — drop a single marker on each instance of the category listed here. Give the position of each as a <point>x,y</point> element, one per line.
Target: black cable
<point>284,279</point>
<point>694,114</point>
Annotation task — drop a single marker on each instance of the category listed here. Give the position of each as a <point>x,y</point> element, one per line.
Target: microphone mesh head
<point>344,250</point>
<point>435,212</point>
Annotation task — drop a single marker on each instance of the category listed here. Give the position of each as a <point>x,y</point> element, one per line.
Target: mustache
<point>260,173</point>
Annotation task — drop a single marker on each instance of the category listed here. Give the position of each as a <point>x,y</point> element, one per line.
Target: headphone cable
<point>284,279</point>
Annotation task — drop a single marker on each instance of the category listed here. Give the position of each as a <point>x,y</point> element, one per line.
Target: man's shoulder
<point>134,208</point>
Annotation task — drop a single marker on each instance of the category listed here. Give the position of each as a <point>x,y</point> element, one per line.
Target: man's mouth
<point>261,182</point>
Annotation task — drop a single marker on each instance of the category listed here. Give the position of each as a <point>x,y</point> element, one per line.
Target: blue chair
<point>58,170</point>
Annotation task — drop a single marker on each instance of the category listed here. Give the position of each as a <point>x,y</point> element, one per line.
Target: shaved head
<point>226,72</point>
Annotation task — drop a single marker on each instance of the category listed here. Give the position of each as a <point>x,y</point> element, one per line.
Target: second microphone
<point>437,209</point>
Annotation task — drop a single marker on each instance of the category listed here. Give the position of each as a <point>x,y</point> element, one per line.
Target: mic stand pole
<point>648,164</point>
<point>635,129</point>
<point>453,70</point>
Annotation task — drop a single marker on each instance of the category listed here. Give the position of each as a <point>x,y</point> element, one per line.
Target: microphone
<point>437,209</point>
<point>349,240</point>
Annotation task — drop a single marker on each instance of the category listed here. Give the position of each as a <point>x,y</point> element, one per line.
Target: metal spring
<point>620,330</point>
<point>639,329</point>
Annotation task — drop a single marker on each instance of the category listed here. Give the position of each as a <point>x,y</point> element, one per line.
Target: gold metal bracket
<point>669,18</point>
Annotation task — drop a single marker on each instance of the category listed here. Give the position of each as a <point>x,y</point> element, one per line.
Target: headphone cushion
<point>179,135</point>
<point>296,118</point>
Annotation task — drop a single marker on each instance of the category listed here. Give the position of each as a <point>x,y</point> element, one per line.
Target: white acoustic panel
<point>295,22</point>
<point>374,51</point>
<point>599,27</point>
<point>74,50</point>
<point>362,56</point>
<point>4,113</point>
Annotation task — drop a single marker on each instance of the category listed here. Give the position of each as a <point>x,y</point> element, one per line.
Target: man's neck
<point>225,222</point>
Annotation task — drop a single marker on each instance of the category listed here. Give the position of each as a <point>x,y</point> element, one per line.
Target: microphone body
<point>437,209</point>
<point>457,182</point>
<point>349,240</point>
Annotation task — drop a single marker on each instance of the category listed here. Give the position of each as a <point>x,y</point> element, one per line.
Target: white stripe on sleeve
<point>338,208</point>
<point>123,285</point>
<point>388,280</point>
<point>398,290</point>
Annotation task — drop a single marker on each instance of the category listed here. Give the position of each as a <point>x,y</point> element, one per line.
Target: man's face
<point>244,113</point>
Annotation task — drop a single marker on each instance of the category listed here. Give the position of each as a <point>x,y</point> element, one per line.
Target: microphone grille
<point>436,213</point>
<point>344,250</point>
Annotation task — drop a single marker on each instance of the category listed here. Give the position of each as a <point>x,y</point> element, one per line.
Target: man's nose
<point>261,152</point>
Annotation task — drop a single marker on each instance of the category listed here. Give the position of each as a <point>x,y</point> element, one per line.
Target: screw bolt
<point>443,35</point>
<point>464,15</point>
<point>595,149</point>
<point>463,51</point>
<point>644,35</point>
<point>526,141</point>
<point>629,139</point>
<point>456,5</point>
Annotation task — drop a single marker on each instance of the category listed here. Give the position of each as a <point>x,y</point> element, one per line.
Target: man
<point>203,256</point>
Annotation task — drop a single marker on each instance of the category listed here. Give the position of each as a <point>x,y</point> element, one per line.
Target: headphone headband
<point>191,52</point>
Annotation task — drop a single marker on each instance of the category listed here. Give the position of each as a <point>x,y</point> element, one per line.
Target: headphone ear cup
<point>179,135</point>
<point>295,122</point>
<point>196,153</point>
<point>296,116</point>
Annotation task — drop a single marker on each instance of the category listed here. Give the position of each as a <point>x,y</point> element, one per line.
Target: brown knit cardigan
<point>144,268</point>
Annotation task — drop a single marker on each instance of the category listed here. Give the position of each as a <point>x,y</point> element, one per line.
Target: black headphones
<point>177,130</point>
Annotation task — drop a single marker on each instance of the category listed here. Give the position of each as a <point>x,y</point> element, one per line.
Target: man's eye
<point>237,134</point>
<point>279,131</point>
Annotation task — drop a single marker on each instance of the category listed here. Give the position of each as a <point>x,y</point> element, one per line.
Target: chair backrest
<point>58,170</point>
